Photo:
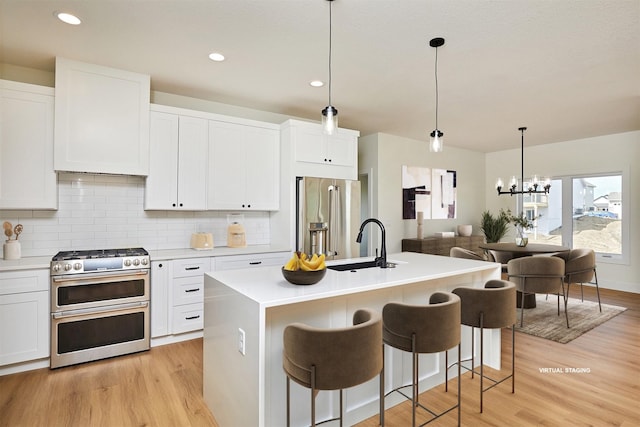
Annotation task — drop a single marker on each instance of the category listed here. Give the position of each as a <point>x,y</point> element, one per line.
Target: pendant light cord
<point>436,73</point>
<point>330,37</point>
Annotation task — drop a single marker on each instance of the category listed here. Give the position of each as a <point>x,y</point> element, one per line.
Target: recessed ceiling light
<point>316,83</point>
<point>218,57</point>
<point>67,18</point>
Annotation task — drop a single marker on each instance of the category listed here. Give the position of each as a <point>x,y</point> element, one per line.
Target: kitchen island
<point>246,311</point>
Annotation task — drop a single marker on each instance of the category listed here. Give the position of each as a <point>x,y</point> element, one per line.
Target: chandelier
<point>533,186</point>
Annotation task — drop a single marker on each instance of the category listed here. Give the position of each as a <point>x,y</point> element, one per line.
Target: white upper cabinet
<point>320,155</point>
<point>27,178</point>
<point>101,119</point>
<point>178,161</point>
<point>244,166</point>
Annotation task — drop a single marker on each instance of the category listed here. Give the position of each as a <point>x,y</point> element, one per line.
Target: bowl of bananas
<point>304,270</point>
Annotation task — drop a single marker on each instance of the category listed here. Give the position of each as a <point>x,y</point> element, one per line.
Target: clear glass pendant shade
<point>436,142</point>
<point>329,120</point>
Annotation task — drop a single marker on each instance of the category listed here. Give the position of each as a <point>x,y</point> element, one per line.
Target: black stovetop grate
<point>100,253</point>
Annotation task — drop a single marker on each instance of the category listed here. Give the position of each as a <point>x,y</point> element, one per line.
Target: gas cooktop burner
<point>76,262</point>
<point>100,253</point>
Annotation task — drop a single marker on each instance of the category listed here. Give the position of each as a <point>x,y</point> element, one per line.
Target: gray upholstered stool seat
<point>491,307</point>
<point>431,328</point>
<point>333,359</point>
<point>538,275</point>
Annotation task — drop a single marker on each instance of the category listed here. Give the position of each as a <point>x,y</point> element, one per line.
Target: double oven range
<point>99,304</point>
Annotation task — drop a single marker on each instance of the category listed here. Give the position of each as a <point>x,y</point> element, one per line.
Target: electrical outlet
<point>241,341</point>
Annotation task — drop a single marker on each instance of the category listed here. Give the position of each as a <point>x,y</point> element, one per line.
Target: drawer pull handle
<point>255,263</point>
<point>192,290</point>
<point>192,268</point>
<point>192,317</point>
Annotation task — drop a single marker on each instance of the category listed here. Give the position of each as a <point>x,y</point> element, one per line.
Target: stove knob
<point>77,266</point>
<point>136,262</point>
<point>67,267</point>
<point>56,268</point>
<point>144,261</point>
<point>127,262</point>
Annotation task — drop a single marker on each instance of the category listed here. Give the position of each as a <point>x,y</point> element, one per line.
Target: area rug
<point>544,322</point>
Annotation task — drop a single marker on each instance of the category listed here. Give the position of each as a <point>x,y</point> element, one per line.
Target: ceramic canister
<point>11,249</point>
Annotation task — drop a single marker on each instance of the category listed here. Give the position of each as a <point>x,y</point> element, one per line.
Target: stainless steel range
<point>99,304</point>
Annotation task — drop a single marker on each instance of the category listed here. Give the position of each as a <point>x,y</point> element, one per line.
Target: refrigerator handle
<point>335,220</point>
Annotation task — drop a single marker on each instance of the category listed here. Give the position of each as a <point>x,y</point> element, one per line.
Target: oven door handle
<point>103,275</point>
<point>102,309</point>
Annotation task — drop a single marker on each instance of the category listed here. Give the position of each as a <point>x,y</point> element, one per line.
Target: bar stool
<point>418,329</point>
<point>333,359</point>
<point>491,307</point>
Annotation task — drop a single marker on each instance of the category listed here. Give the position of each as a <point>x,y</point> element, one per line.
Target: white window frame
<point>567,214</point>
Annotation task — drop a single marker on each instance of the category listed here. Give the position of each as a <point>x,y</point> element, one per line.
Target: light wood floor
<point>163,387</point>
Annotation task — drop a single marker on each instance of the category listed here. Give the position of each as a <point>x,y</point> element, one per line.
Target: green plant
<point>521,221</point>
<point>494,227</point>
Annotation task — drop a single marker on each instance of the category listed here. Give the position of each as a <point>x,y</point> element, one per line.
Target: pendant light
<point>435,144</point>
<point>329,113</point>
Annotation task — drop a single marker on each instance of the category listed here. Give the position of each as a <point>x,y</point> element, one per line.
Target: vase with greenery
<point>522,224</point>
<point>494,227</point>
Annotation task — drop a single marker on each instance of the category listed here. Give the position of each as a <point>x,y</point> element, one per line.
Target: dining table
<point>510,250</point>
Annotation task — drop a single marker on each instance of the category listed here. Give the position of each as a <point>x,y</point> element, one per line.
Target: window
<point>580,212</point>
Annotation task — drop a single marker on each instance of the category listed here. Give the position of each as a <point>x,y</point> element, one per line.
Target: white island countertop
<point>247,310</point>
<point>268,287</point>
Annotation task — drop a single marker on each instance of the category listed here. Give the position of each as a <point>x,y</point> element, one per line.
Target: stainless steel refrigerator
<point>328,217</point>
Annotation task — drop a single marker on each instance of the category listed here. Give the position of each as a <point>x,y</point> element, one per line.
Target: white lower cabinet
<point>24,316</point>
<point>159,298</point>
<point>177,295</point>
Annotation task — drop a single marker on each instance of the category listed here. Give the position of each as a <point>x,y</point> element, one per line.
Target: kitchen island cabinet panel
<point>27,178</point>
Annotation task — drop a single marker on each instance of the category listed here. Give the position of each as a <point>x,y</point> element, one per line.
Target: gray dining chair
<point>538,275</point>
<point>580,267</point>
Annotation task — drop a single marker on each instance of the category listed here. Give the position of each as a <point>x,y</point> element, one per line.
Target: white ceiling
<point>566,69</point>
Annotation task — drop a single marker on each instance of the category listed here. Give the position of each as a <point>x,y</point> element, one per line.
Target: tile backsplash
<point>107,211</point>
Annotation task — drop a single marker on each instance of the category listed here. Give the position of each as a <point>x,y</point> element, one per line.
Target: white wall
<point>604,154</point>
<point>384,155</point>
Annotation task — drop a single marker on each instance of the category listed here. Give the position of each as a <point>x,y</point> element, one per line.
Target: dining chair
<point>458,252</point>
<point>580,267</point>
<point>538,275</point>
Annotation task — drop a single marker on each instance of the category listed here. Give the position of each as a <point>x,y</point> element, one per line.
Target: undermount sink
<point>358,265</point>
<point>352,266</point>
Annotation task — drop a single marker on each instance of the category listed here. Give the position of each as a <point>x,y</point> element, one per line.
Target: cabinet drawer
<point>188,290</point>
<point>14,282</point>
<point>188,318</point>
<point>251,261</point>
<point>191,267</point>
